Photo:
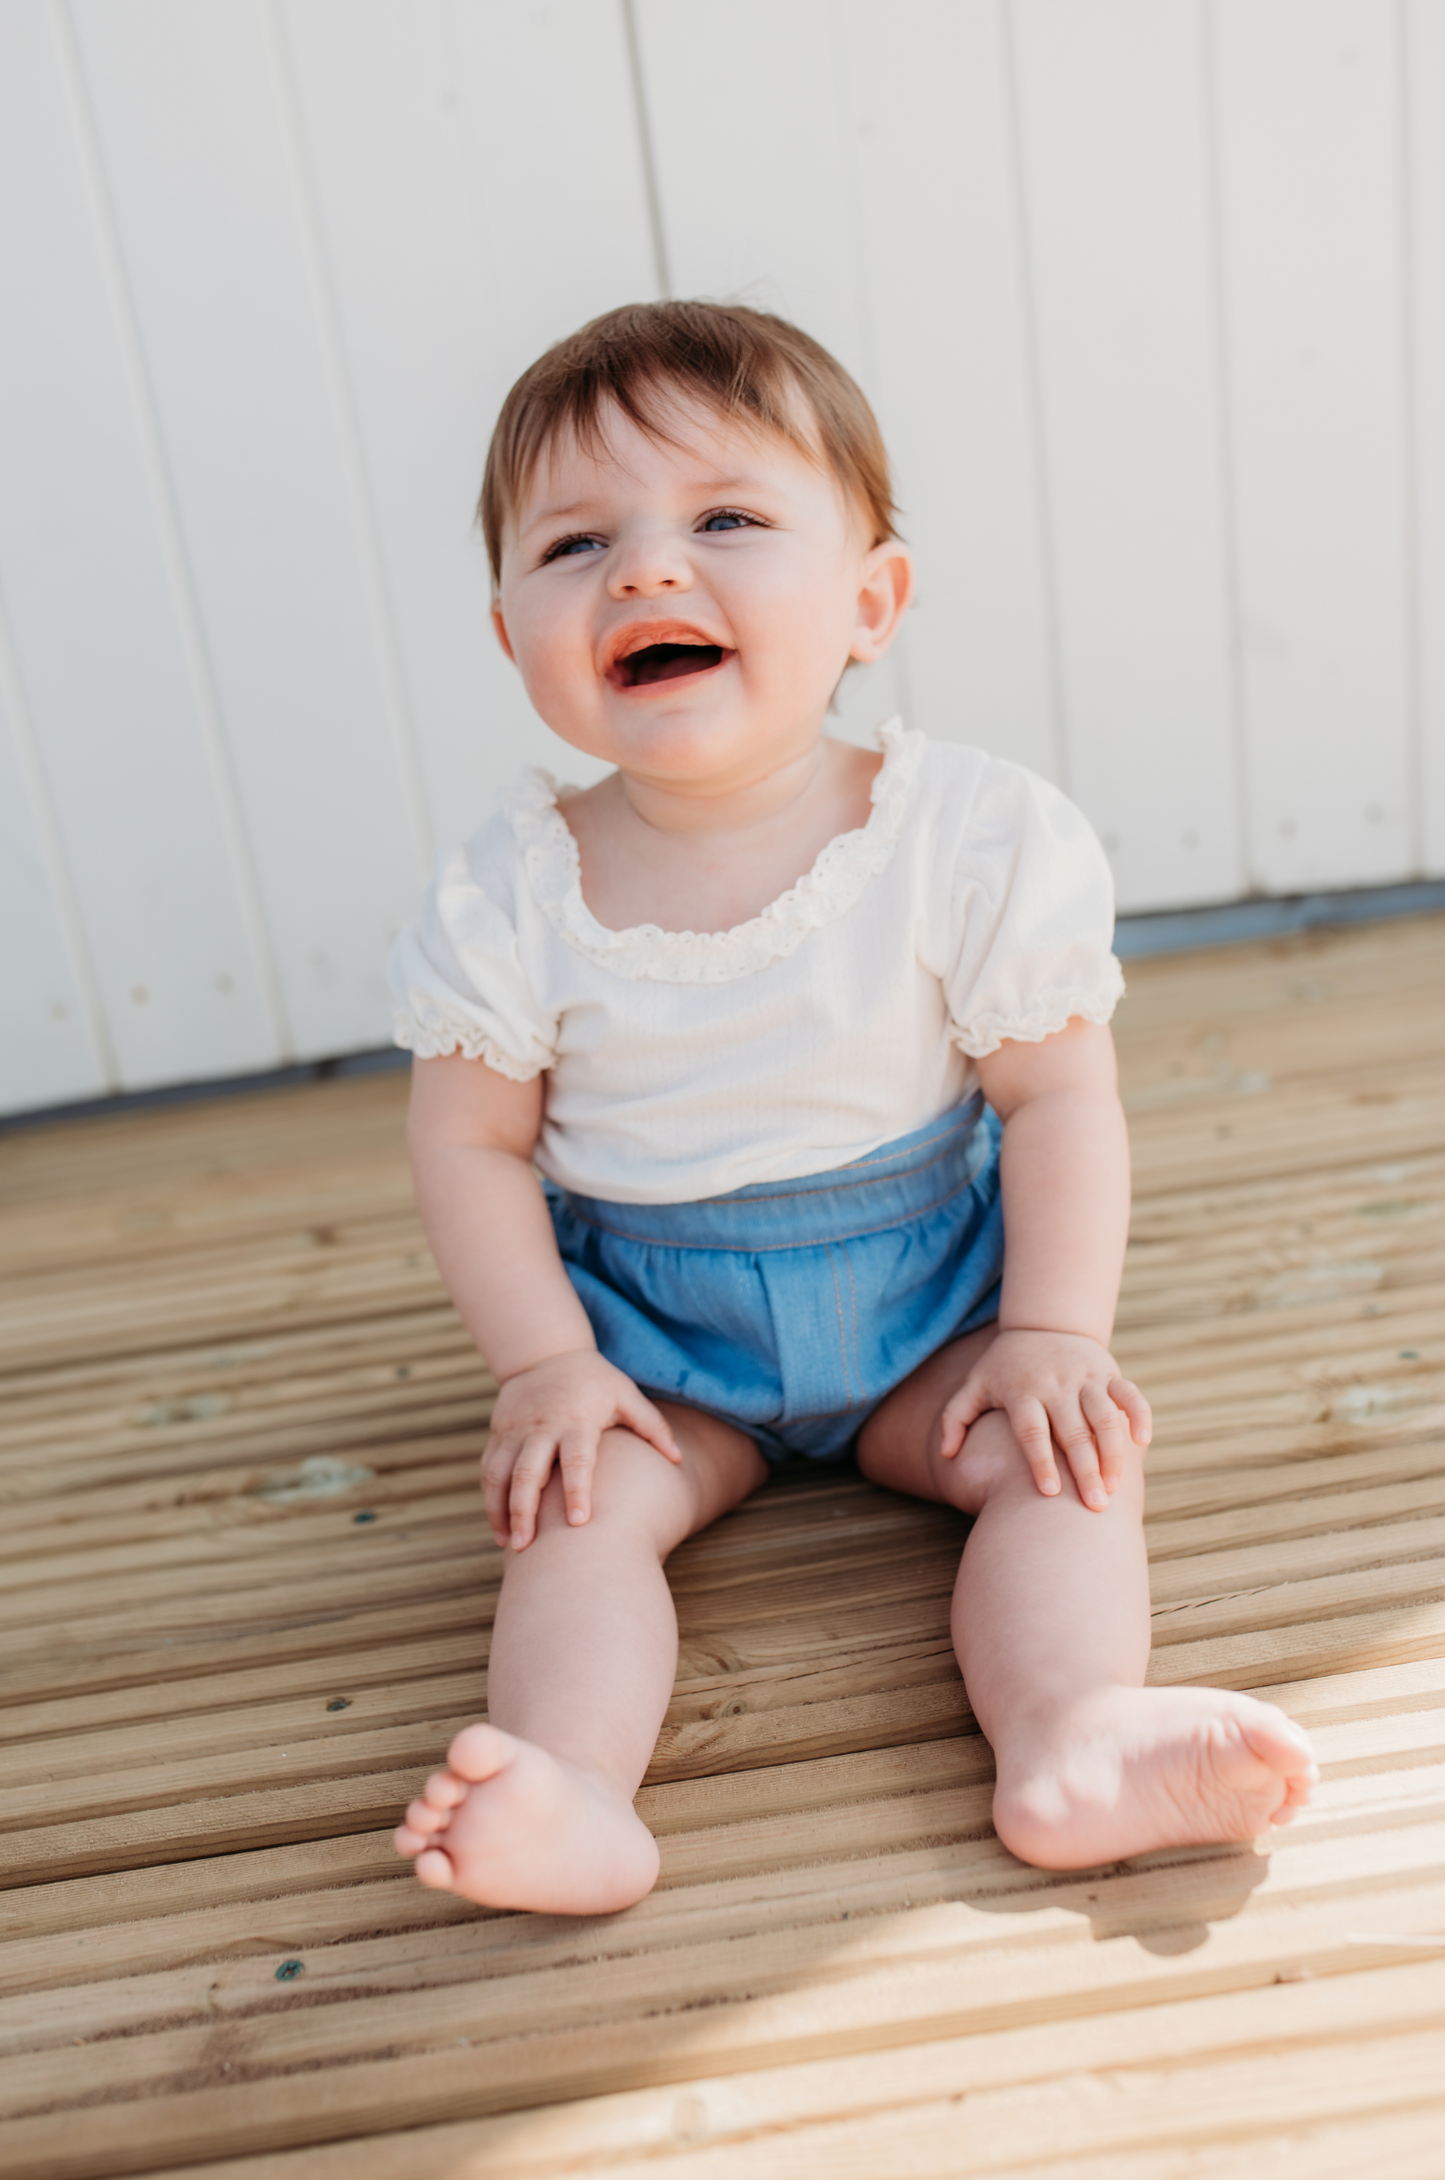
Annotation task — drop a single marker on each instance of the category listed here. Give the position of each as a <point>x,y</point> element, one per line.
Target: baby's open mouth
<point>665,662</point>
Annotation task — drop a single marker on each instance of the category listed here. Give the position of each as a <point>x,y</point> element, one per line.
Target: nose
<point>649,564</point>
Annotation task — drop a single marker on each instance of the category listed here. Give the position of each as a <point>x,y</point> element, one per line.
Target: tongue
<point>669,661</point>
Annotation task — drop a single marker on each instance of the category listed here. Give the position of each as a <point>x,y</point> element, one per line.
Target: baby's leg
<point>535,1809</point>
<point>1051,1627</point>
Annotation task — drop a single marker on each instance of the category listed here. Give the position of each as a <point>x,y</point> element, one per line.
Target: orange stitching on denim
<point>842,1329</point>
<point>853,1292</point>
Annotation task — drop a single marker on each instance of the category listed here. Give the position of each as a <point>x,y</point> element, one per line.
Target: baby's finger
<point>1126,1395</point>
<point>577,1457</point>
<point>639,1414</point>
<point>534,1466</point>
<point>1111,1432</point>
<point>1030,1423</point>
<point>497,1464</point>
<point>1077,1440</point>
<point>963,1409</point>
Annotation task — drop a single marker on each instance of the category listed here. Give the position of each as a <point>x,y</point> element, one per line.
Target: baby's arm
<point>1065,1175</point>
<point>471,1134</point>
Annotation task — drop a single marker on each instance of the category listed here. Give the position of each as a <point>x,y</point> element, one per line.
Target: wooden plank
<point>1396,1545</point>
<point>359,1940</point>
<point>292,1722</point>
<point>115,1154</point>
<point>230,1504</point>
<point>1313,329</point>
<point>167,1786</point>
<point>1297,1133</point>
<point>139,1659</point>
<point>426,1329</point>
<point>1040,1939</point>
<point>871,2010</point>
<point>223,1824</point>
<point>589,2134</point>
<point>1298,1516</point>
<point>338,1436</point>
<point>248,1420</point>
<point>149,1896</point>
<point>338,1802</point>
<point>394,1673</point>
<point>453,1500</point>
<point>1344,1642</point>
<point>197,1755</point>
<point>1373,1693</point>
<point>1184,2110</point>
<point>1306,969</point>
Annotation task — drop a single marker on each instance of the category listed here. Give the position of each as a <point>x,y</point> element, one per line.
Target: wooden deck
<point>248,1600</point>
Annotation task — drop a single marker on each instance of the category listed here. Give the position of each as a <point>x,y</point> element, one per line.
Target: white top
<point>975,905</point>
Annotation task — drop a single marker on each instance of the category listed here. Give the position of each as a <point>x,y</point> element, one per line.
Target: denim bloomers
<point>792,1308</point>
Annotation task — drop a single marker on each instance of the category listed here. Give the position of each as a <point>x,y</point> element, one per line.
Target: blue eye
<point>728,518</point>
<point>566,546</point>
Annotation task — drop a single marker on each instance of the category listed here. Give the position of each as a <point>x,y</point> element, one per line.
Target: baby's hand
<point>1056,1388</point>
<point>557,1411</point>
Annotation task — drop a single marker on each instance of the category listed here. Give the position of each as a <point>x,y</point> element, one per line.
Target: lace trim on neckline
<point>838,877</point>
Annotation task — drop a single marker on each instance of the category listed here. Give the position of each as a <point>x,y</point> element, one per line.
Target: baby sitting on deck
<point>811,1045</point>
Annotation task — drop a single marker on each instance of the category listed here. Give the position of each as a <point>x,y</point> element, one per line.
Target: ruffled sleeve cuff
<point>457,981</point>
<point>437,1033</point>
<point>1049,1013</point>
<point>1032,902</point>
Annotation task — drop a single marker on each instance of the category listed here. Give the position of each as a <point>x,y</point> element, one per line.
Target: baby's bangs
<point>746,366</point>
<point>651,398</point>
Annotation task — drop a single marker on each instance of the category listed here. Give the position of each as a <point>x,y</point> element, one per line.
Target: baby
<point>810,1043</point>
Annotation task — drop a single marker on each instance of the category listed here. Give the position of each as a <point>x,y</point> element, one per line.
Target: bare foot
<point>1134,1769</point>
<point>509,1826</point>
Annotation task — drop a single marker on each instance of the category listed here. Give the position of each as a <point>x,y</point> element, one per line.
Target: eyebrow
<point>547,515</point>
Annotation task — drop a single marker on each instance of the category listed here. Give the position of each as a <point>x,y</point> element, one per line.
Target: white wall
<point>1150,295</point>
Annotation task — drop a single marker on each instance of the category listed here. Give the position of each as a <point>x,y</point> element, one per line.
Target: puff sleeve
<point>456,974</point>
<point>1032,920</point>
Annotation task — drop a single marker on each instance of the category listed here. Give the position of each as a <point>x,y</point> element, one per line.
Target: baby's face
<point>684,611</point>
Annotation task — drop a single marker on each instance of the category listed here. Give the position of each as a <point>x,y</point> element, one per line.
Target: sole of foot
<point>510,1826</point>
<point>1139,1769</point>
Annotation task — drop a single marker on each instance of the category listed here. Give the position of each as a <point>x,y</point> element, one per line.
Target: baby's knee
<point>631,1486</point>
<point>997,1465</point>
<point>989,1459</point>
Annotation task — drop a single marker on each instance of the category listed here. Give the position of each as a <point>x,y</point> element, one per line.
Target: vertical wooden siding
<point>1149,294</point>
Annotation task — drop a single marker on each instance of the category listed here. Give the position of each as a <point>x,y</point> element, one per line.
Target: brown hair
<point>746,364</point>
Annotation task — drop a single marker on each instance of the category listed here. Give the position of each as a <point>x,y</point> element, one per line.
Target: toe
<point>480,1752</point>
<point>425,1817</point>
<point>408,1842</point>
<point>435,1869</point>
<point>1278,1741</point>
<point>444,1792</point>
<point>1298,1791</point>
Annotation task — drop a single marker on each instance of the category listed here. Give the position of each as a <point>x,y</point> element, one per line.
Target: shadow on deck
<point>249,1594</point>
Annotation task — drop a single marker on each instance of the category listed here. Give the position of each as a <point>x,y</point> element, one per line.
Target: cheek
<point>549,643</point>
<point>800,620</point>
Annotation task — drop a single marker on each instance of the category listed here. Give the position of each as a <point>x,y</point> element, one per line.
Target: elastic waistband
<point>894,1184</point>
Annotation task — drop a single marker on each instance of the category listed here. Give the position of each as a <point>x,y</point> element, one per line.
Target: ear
<point>884,595</point>
<point>501,627</point>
